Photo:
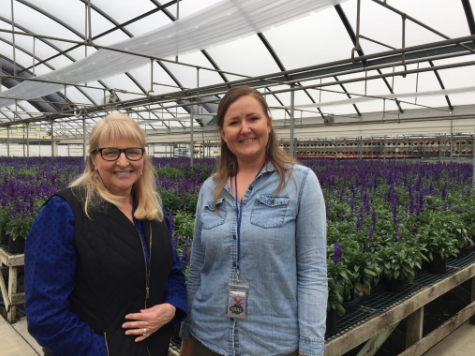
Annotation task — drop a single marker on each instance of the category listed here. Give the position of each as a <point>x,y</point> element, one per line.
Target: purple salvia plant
<point>337,252</point>
<point>184,253</point>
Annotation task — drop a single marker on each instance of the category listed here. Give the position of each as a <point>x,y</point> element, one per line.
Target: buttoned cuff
<point>185,332</point>
<point>311,347</point>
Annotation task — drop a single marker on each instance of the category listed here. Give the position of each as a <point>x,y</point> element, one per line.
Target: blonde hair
<point>113,128</point>
<point>228,164</point>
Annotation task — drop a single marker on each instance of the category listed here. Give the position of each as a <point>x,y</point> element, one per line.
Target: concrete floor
<point>15,341</point>
<point>460,343</point>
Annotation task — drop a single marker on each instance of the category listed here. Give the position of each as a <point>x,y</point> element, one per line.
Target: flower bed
<point>384,218</point>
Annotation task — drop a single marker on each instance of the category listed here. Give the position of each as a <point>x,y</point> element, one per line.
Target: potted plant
<point>437,236</point>
<point>338,284</point>
<point>18,228</point>
<point>4,218</point>
<point>398,263</point>
<point>363,266</point>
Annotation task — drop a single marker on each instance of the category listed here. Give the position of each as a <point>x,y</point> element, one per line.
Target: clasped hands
<point>150,319</point>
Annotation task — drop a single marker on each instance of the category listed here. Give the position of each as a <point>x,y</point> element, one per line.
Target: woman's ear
<point>269,124</point>
<point>221,133</point>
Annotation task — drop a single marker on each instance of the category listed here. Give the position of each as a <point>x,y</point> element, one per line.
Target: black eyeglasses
<point>113,154</point>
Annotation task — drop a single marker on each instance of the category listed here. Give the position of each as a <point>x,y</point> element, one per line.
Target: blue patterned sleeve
<point>175,290</point>
<point>50,264</point>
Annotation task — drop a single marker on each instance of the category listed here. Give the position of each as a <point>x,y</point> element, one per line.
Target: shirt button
<point>250,188</point>
<point>234,264</point>
<point>234,237</point>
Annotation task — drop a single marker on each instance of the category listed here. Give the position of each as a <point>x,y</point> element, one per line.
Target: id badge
<point>237,299</point>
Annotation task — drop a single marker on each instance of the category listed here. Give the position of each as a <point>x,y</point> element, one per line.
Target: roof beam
<point>469,14</point>
<point>351,33</point>
<point>437,50</point>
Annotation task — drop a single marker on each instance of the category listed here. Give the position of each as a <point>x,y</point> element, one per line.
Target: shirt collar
<point>268,168</point>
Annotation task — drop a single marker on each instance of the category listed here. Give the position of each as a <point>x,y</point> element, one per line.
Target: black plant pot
<point>468,249</point>
<point>394,285</point>
<point>353,304</point>
<point>331,323</point>
<point>438,265</point>
<point>3,238</point>
<point>16,246</point>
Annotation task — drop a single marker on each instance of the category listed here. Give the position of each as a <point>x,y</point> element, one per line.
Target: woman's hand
<point>186,348</point>
<point>150,319</point>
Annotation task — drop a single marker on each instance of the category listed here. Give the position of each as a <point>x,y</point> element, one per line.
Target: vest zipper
<point>147,271</point>
<point>107,345</point>
<point>149,263</point>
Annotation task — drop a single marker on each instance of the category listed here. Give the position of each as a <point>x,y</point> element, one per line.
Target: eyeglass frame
<point>121,150</point>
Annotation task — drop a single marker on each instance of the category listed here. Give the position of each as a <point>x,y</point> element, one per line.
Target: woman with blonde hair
<point>257,283</point>
<point>102,276</point>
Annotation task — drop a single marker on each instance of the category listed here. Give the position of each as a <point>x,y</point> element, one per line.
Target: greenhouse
<point>376,98</point>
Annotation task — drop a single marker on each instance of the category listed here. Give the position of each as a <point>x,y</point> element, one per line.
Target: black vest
<point>110,279</point>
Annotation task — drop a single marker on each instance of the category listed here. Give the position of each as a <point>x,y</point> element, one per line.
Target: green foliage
<point>442,232</point>
<point>363,267</point>
<point>339,284</point>
<point>4,217</point>
<point>171,200</point>
<point>184,227</point>
<point>19,226</point>
<point>399,260</point>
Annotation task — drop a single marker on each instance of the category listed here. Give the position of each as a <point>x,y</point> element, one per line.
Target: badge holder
<point>237,299</point>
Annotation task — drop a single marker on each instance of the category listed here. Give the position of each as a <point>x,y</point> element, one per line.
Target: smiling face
<point>120,175</point>
<point>246,129</point>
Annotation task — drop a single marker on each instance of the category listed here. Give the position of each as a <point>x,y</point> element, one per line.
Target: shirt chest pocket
<point>210,217</point>
<point>269,211</point>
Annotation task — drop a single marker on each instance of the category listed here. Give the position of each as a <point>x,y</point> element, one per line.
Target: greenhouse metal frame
<point>174,98</point>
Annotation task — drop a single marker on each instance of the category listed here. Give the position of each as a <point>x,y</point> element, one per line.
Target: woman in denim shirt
<point>260,220</point>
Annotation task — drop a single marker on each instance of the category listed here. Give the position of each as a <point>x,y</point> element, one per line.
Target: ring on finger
<point>144,332</point>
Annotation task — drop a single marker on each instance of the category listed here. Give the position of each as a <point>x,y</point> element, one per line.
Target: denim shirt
<point>283,257</point>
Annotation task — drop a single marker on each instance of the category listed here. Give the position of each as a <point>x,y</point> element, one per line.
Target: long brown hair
<point>228,164</point>
<point>114,128</point>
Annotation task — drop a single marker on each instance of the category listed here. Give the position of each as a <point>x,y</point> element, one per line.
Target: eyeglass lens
<point>111,154</point>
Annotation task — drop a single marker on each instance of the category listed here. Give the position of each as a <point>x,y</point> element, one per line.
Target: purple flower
<point>184,253</point>
<point>337,252</point>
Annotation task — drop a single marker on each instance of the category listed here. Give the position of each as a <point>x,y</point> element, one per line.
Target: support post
<point>27,139</point>
<point>191,137</point>
<point>83,139</point>
<point>472,299</point>
<point>52,140</point>
<point>451,139</point>
<point>292,99</point>
<point>8,141</point>
<point>12,289</point>
<point>360,144</point>
<point>473,174</point>
<point>415,323</point>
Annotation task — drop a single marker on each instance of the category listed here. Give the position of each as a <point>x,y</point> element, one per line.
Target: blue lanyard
<point>239,219</point>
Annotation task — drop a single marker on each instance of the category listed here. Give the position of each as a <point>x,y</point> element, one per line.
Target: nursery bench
<point>10,296</point>
<point>375,329</point>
